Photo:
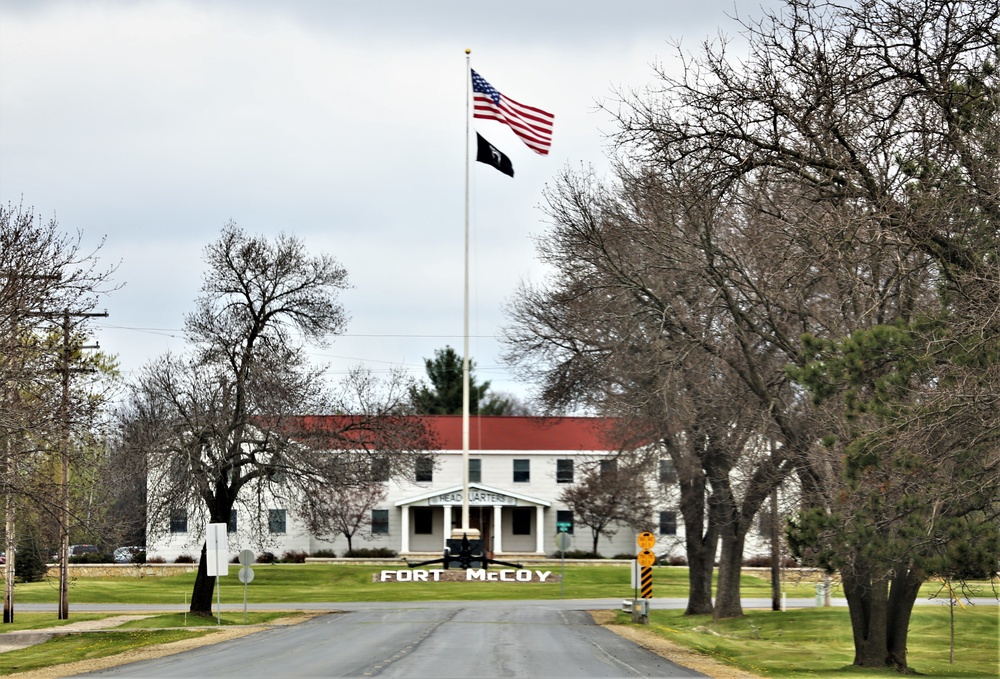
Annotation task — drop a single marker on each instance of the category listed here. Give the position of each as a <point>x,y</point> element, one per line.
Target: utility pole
<point>775,554</point>
<point>64,454</point>
<point>9,563</point>
<point>775,549</point>
<point>64,457</point>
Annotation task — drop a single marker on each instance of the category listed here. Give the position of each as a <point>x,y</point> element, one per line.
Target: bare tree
<point>851,157</point>
<point>608,498</point>
<point>228,424</point>
<point>49,286</point>
<point>343,509</point>
<point>644,319</point>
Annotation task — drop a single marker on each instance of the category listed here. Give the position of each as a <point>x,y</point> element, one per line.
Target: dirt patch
<point>159,651</point>
<point>669,650</point>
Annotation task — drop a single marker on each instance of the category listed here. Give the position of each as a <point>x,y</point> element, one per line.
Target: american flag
<point>532,125</point>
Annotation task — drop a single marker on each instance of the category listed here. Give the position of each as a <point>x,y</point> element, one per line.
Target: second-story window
<point>522,471</point>
<point>668,473</point>
<point>564,471</point>
<point>425,470</point>
<point>179,521</point>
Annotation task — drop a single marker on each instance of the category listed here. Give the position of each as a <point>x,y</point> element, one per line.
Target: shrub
<point>624,555</point>
<point>30,562</point>
<point>156,559</point>
<point>325,554</point>
<point>294,556</point>
<point>667,560</point>
<point>577,554</point>
<point>184,558</point>
<point>92,557</point>
<point>266,557</point>
<point>765,562</point>
<point>371,553</point>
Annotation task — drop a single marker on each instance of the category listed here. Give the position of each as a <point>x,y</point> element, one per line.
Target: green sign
<point>563,526</point>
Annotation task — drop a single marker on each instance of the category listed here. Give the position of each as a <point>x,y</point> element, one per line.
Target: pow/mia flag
<point>491,155</point>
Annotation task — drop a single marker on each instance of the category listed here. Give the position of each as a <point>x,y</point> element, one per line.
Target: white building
<point>518,468</point>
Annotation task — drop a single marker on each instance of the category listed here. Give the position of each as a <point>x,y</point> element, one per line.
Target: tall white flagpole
<point>466,530</point>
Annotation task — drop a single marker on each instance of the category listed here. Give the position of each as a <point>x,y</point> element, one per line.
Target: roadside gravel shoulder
<point>669,650</point>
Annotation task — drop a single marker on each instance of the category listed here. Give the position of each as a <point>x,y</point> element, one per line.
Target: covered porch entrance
<point>508,522</point>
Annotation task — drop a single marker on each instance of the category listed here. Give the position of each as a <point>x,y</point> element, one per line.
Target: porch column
<point>447,526</point>
<point>497,530</point>
<point>404,528</point>
<point>540,529</point>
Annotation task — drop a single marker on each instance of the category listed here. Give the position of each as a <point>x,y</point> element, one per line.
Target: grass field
<point>289,583</point>
<point>87,646</point>
<point>818,642</point>
<point>795,643</point>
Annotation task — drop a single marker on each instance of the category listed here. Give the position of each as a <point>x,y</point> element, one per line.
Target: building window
<point>565,516</point>
<point>231,526</point>
<point>276,519</point>
<point>609,467</point>
<point>179,521</point>
<point>668,523</point>
<point>423,520</point>
<point>425,470</point>
<point>521,520</point>
<point>380,469</point>
<point>668,473</point>
<point>522,471</point>
<point>475,471</point>
<point>764,522</point>
<point>380,522</point>
<point>564,471</point>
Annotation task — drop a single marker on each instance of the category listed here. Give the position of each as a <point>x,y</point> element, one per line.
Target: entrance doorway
<point>480,518</point>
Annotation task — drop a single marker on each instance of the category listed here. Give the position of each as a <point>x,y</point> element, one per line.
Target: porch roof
<point>472,486</point>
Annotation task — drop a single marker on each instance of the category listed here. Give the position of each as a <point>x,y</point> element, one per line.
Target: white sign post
<point>246,577</point>
<point>217,557</point>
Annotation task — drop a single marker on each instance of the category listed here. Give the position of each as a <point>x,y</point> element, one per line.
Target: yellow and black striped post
<point>646,583</point>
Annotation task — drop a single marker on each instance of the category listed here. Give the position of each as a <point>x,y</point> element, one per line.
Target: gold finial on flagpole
<point>468,51</point>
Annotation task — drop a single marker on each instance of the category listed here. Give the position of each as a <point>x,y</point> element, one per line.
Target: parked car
<point>78,550</point>
<point>130,554</point>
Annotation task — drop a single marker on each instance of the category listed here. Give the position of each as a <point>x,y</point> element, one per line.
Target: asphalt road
<point>457,639</point>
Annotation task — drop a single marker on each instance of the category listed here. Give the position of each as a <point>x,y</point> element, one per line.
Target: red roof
<point>445,431</point>
<point>485,433</point>
<point>524,433</point>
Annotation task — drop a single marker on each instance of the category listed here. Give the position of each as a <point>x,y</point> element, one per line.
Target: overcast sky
<point>152,124</point>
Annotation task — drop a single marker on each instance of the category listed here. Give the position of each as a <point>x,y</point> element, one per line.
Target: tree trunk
<point>727,594</point>
<point>880,608</point>
<point>204,587</point>
<point>902,596</point>
<point>700,567</point>
<point>700,546</point>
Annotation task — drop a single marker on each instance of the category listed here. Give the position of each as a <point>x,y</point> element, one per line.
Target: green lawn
<point>817,642</point>
<point>289,583</point>
<point>796,643</point>
<point>85,646</point>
